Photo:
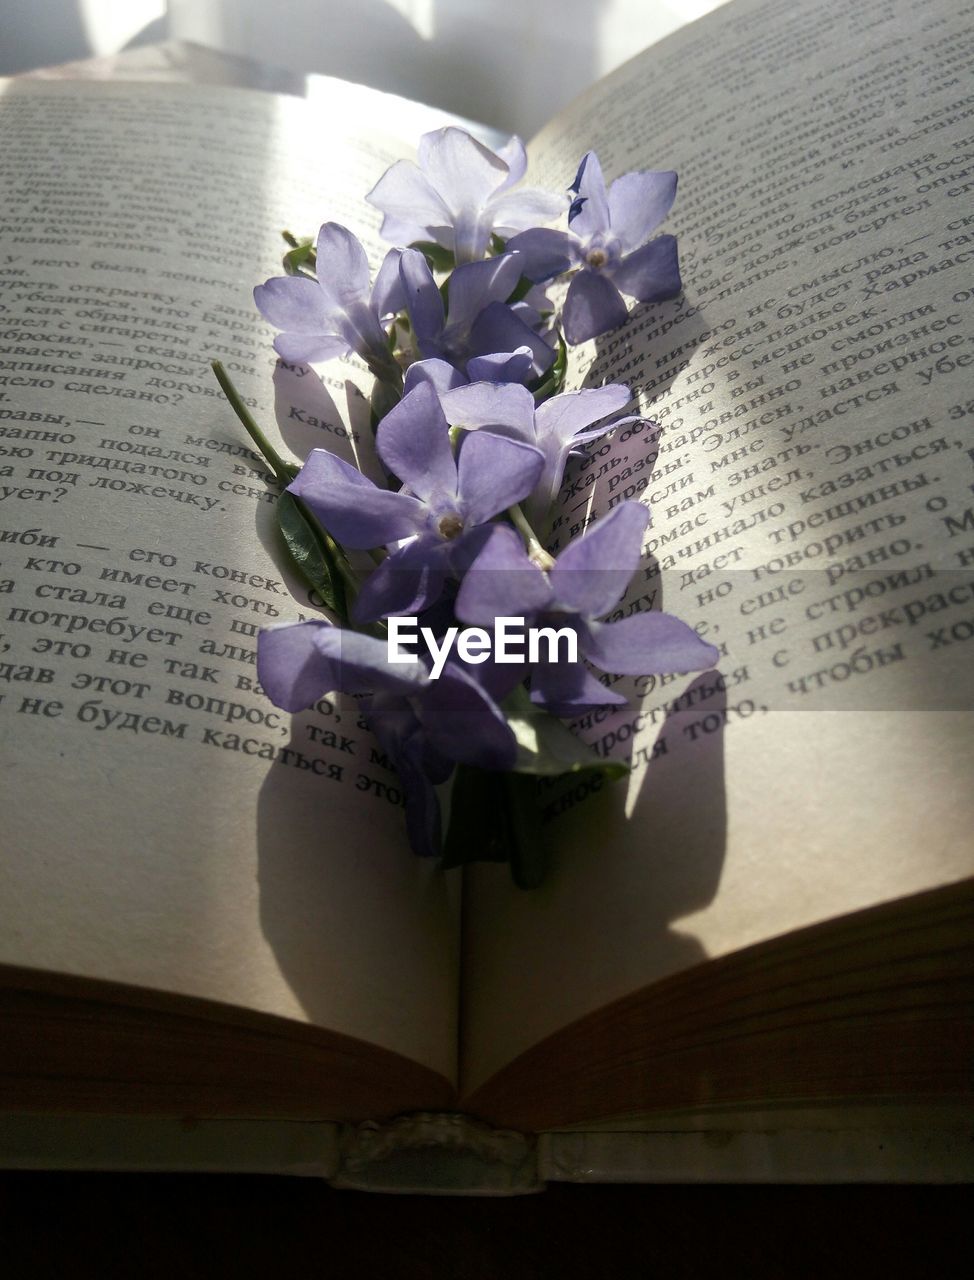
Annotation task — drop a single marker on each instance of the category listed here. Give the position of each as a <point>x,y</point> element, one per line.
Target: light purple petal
<point>544,252</point>
<point>494,474</point>
<point>463,722</point>
<point>299,663</point>
<point>474,285</point>
<point>341,266</point>
<point>290,669</point>
<point>388,295</point>
<point>592,572</point>
<point>589,212</point>
<point>360,327</point>
<point>638,203</point>
<point>461,170</point>
<point>648,644</point>
<point>563,416</point>
<point>519,210</point>
<point>309,348</point>
<point>413,440</point>
<point>568,689</point>
<point>507,366</point>
<point>405,583</point>
<point>362,664</point>
<point>499,329</point>
<point>503,407</point>
<point>401,233</point>
<point>502,582</point>
<point>406,196</point>
<point>296,304</point>
<point>514,155</point>
<point>403,741</point>
<point>352,508</point>
<point>437,373</point>
<point>652,273</point>
<point>593,306</point>
<point>596,433</point>
<point>423,300</point>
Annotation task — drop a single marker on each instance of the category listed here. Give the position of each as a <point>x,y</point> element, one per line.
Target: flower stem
<point>532,542</point>
<point>285,471</point>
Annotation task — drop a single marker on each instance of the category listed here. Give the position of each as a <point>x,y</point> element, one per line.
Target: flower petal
<point>519,210</point>
<point>413,440</point>
<point>514,154</point>
<point>502,582</point>
<point>638,203</point>
<point>494,473</point>
<point>462,171</point>
<point>563,416</point>
<point>351,507</point>
<point>499,329</point>
<point>584,437</point>
<point>648,644</point>
<point>405,583</point>
<point>296,304</point>
<point>362,663</point>
<point>407,198</point>
<point>592,572</point>
<point>568,689</point>
<point>438,373</point>
<point>589,212</point>
<point>652,273</point>
<point>475,285</point>
<point>388,295</point>
<point>423,300</point>
<point>506,408</point>
<point>593,306</point>
<point>399,735</point>
<point>502,366</point>
<point>544,252</point>
<point>341,266</point>
<point>290,669</point>
<point>298,663</point>
<point>309,348</point>
<point>463,721</point>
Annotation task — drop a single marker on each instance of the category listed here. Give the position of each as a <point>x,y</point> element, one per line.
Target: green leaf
<point>439,259</point>
<point>313,557</point>
<point>302,255</point>
<point>546,747</point>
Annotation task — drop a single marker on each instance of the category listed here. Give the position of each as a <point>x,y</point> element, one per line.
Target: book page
<point>162,823</point>
<point>810,480</point>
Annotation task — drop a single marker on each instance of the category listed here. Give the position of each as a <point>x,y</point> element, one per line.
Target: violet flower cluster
<point>473,434</point>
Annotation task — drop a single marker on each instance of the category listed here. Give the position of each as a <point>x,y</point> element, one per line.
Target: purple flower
<point>587,580</point>
<point>458,194</point>
<point>607,240</point>
<point>424,725</point>
<point>558,427</point>
<point>444,501</point>
<point>337,312</point>
<point>476,321</point>
<point>512,366</point>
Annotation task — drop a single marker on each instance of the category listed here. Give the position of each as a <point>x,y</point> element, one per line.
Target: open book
<point>209,909</point>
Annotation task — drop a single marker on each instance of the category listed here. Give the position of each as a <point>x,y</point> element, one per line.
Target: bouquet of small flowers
<point>465,641</point>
